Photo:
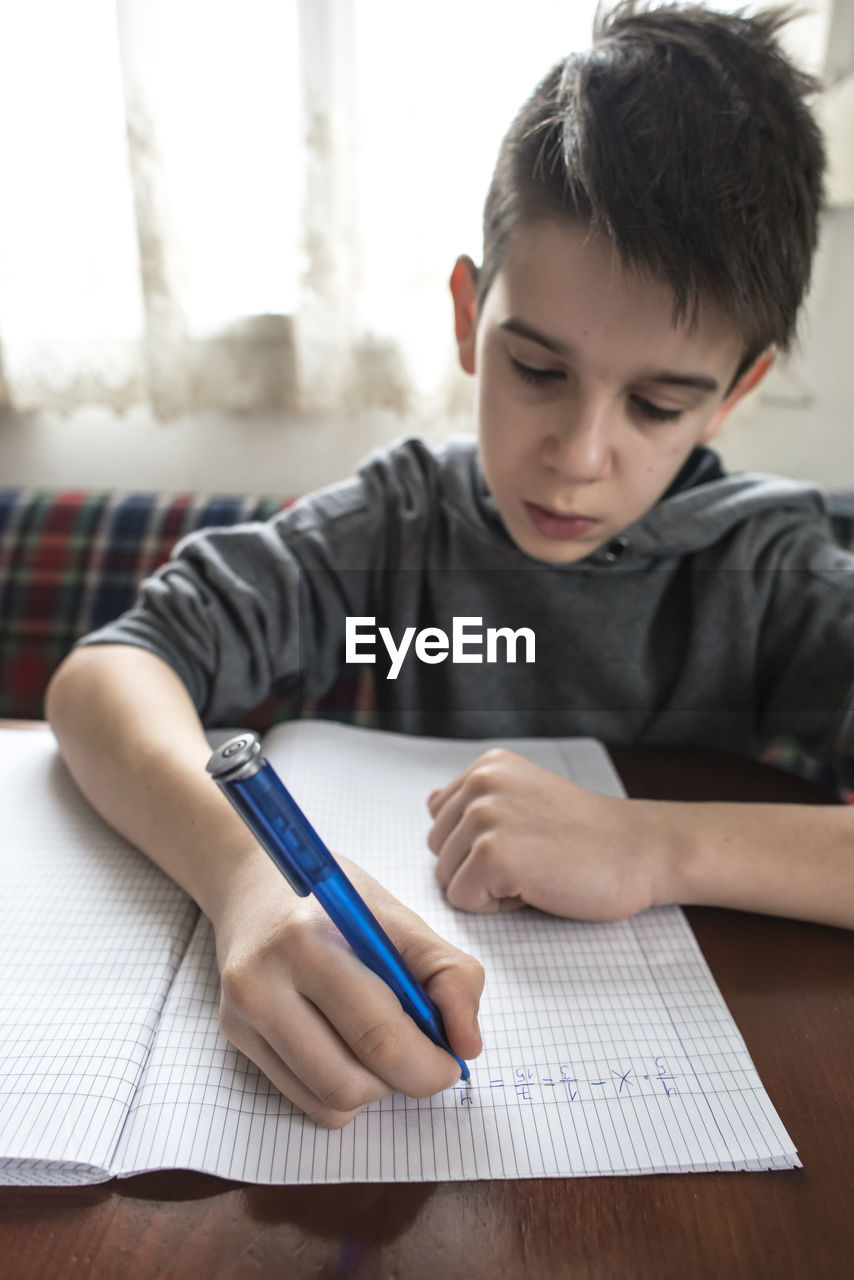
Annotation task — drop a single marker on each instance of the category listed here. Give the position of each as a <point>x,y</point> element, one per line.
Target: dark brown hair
<point>684,136</point>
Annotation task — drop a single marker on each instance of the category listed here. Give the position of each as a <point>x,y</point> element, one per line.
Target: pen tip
<point>465,1074</point>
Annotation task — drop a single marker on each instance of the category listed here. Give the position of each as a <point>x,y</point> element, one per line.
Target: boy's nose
<point>580,448</point>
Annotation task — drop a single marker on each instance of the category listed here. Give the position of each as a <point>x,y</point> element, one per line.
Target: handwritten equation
<point>562,1083</point>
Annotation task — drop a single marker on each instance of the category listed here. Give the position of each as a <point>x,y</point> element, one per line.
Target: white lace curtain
<point>249,204</point>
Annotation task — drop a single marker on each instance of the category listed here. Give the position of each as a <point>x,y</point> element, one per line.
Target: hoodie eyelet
<point>616,549</point>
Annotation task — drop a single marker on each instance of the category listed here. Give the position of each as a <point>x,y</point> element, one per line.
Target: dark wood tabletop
<point>790,987</point>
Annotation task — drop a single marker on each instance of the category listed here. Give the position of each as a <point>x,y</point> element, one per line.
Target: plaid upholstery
<point>71,561</point>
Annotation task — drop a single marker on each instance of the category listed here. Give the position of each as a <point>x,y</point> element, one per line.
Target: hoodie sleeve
<point>806,658</point>
<point>254,609</point>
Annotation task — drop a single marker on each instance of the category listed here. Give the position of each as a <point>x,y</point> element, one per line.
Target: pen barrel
<point>280,827</point>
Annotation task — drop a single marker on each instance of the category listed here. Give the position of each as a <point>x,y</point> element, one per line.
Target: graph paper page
<point>91,935</point>
<point>607,1047</point>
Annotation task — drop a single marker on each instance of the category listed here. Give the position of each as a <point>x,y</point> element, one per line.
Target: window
<point>251,204</point>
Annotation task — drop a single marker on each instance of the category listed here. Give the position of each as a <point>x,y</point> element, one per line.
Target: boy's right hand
<point>326,1030</point>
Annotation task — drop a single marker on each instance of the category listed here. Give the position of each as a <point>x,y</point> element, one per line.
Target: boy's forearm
<point>134,744</point>
<point>787,860</point>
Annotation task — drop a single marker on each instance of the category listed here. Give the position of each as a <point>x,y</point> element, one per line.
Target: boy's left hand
<point>508,833</point>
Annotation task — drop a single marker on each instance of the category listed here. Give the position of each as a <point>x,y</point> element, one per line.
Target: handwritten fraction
<point>563,1083</point>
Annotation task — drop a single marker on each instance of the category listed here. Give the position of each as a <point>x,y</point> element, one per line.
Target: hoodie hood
<point>704,505</point>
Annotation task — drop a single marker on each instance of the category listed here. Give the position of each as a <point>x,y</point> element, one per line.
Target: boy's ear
<point>750,379</point>
<point>464,293</point>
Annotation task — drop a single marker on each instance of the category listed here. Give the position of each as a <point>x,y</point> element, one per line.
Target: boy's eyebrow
<point>702,382</point>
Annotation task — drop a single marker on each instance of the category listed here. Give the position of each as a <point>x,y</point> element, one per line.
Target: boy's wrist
<point>237,873</point>
<point>673,849</point>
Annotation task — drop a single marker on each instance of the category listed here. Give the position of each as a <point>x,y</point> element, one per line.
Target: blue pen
<point>275,819</point>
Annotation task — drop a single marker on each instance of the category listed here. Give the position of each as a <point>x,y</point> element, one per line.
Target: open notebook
<point>608,1048</point>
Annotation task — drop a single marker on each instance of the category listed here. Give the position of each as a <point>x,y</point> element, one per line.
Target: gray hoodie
<point>721,618</point>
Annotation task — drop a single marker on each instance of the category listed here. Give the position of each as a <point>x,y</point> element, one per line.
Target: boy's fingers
<point>439,798</point>
<point>451,977</point>
<point>344,1045</point>
<point>313,1068</point>
<point>457,992</point>
<point>324,1107</point>
<point>454,980</point>
<point>446,820</point>
<point>387,1043</point>
<point>365,1011</point>
<point>454,848</point>
<point>484,776</point>
<point>474,887</point>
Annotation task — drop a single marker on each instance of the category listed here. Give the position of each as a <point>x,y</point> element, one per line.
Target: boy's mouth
<point>553,524</point>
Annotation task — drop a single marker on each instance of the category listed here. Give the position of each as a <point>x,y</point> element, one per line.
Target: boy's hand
<point>509,833</point>
<point>327,1031</point>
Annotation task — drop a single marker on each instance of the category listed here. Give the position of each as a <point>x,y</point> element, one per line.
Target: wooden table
<point>790,987</point>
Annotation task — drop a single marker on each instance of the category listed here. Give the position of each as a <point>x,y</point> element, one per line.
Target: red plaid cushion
<point>71,561</point>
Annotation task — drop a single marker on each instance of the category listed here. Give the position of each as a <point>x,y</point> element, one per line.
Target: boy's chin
<point>555,552</point>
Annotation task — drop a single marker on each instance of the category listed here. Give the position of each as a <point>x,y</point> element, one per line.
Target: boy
<point>648,238</point>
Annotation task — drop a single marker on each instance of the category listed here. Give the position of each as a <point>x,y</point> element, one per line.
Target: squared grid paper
<point>91,935</point>
<point>608,1048</point>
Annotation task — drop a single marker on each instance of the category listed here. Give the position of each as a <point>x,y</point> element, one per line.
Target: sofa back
<point>71,560</point>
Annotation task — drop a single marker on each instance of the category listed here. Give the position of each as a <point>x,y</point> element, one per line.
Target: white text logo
<point>432,645</point>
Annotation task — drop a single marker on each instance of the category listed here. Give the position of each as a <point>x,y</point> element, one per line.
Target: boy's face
<point>589,400</point>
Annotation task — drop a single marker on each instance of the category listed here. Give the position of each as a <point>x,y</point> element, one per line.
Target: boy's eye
<point>532,374</point>
<point>655,411</point>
